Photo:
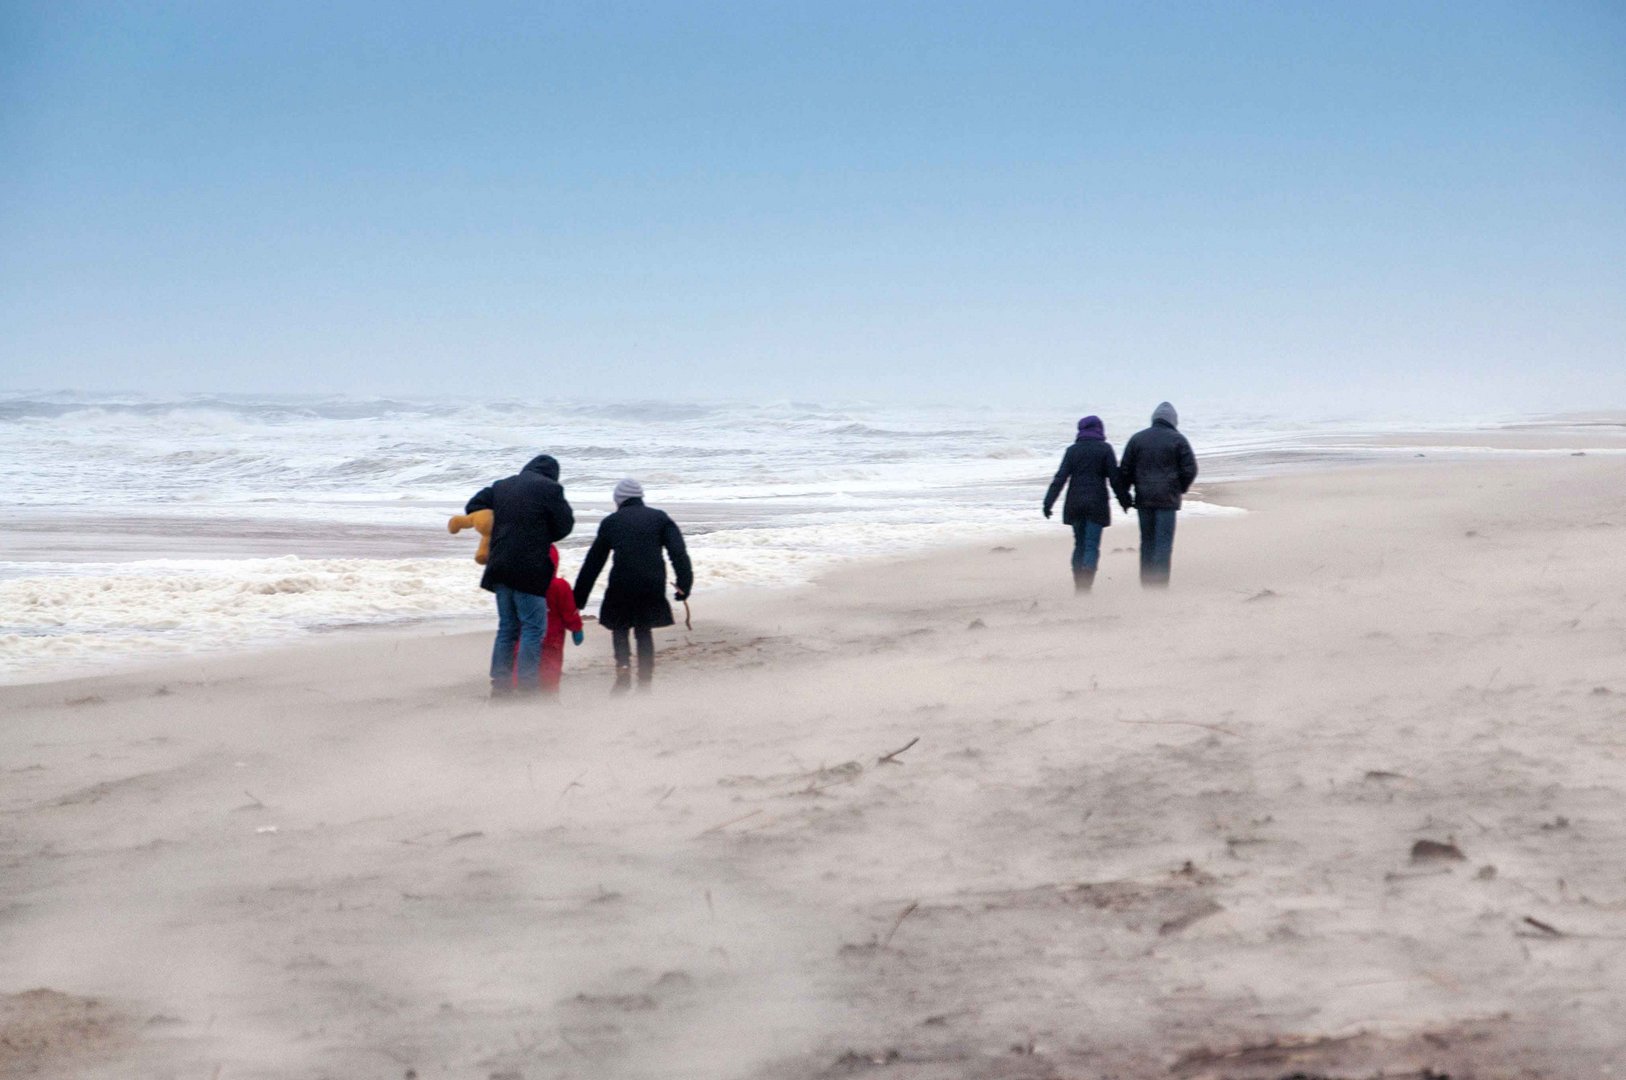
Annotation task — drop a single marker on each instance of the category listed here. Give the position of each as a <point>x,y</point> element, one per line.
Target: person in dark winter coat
<point>635,599</point>
<point>529,513</point>
<point>1159,467</point>
<point>1088,469</point>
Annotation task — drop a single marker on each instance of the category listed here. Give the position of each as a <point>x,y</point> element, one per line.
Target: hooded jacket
<point>636,596</point>
<point>529,513</point>
<point>1087,469</point>
<point>563,614</point>
<point>1157,464</point>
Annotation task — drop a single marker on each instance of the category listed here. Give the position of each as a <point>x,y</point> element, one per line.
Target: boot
<point>623,680</point>
<point>1082,580</point>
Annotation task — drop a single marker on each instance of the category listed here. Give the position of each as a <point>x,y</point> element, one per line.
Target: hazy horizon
<point>1338,210</point>
<point>1197,413</point>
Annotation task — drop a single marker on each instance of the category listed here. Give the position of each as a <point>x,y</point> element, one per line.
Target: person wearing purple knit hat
<point>1088,469</point>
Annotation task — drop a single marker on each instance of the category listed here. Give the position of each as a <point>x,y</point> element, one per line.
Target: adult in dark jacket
<point>635,599</point>
<point>1088,469</point>
<point>529,514</point>
<point>1158,466</point>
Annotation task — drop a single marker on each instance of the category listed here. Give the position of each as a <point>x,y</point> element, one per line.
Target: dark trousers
<point>1086,546</point>
<point>623,652</point>
<point>522,620</point>
<point>1156,545</point>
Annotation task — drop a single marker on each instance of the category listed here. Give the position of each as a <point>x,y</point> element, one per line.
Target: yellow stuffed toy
<point>480,521</point>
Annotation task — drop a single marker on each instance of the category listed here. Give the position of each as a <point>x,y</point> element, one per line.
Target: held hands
<point>577,636</point>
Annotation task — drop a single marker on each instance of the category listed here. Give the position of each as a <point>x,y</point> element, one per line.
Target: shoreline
<point>113,593</point>
<point>414,625</point>
<point>249,538</point>
<point>1220,498</point>
<point>454,624</point>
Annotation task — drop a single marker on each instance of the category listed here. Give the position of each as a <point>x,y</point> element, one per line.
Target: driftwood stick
<point>731,821</point>
<point>1185,723</point>
<point>908,911</point>
<point>576,783</point>
<point>819,789</point>
<point>891,759</point>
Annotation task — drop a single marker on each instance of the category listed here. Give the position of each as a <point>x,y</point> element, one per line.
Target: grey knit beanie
<point>628,489</point>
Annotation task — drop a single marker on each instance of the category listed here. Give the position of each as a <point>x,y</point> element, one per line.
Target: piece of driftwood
<point>1184,723</point>
<point>576,783</point>
<point>908,911</point>
<point>1436,851</point>
<point>891,759</point>
<point>731,821</point>
<point>1545,928</point>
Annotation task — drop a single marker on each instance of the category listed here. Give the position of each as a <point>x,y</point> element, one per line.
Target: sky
<point>1322,206</point>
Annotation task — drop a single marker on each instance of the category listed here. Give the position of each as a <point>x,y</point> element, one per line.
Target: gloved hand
<point>1126,504</point>
<point>577,636</point>
<point>1047,511</point>
<point>679,595</point>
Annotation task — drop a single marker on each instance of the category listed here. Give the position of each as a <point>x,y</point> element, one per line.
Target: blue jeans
<point>522,618</point>
<point>1086,546</point>
<point>1156,545</point>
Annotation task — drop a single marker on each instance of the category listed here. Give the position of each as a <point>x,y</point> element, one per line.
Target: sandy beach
<point>1345,801</point>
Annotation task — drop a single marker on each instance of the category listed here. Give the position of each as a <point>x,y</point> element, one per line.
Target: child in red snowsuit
<point>562,616</point>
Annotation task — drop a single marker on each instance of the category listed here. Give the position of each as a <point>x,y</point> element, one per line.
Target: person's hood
<point>544,464</point>
<point>1091,428</point>
<point>1165,414</point>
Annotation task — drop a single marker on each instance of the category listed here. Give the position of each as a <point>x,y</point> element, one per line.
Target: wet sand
<point>1347,799</point>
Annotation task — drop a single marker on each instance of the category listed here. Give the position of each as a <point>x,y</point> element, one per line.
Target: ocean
<point>148,527</point>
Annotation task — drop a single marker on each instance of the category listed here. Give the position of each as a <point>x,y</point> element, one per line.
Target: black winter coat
<point>530,516</point>
<point>636,594</point>
<point>1159,465</point>
<point>1087,468</point>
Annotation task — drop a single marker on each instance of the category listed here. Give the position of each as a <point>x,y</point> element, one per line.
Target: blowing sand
<point>1348,798</point>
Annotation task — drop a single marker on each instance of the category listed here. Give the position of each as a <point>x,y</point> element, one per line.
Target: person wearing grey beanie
<point>641,539</point>
<point>1159,467</point>
<point>529,515</point>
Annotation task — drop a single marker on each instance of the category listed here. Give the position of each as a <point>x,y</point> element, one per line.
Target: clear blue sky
<point>1333,205</point>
